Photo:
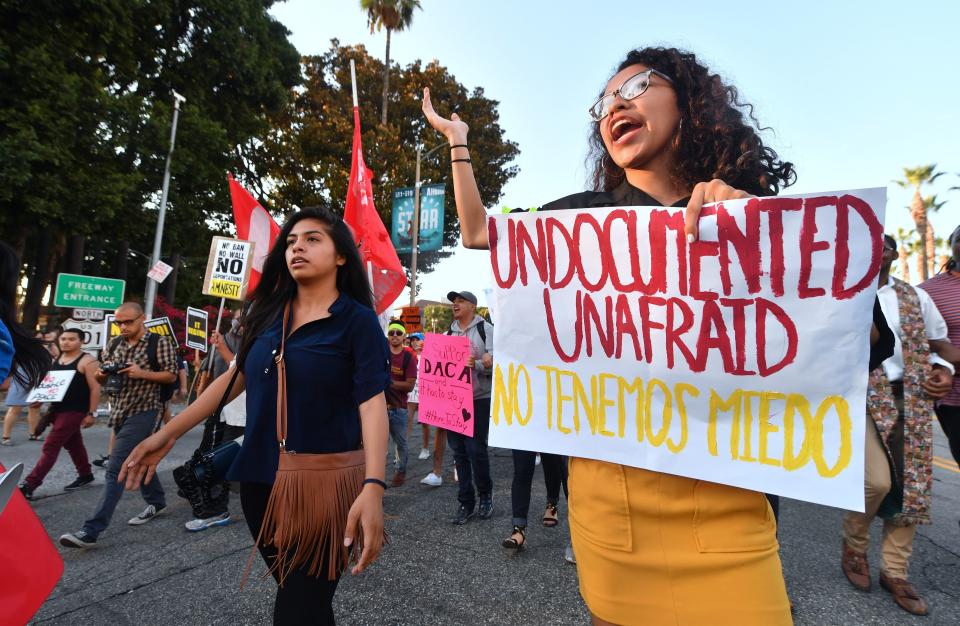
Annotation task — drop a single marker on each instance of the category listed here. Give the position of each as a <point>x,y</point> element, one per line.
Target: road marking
<point>946,464</point>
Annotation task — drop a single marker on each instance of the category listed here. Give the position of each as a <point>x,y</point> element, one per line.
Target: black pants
<point>554,475</point>
<point>303,600</point>
<point>949,417</point>
<point>471,457</point>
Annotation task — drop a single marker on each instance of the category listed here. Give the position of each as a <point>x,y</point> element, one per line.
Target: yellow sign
<point>228,268</point>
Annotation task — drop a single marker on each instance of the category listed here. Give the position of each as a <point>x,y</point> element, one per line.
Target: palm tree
<point>930,204</point>
<point>392,15</point>
<point>906,247</point>
<point>915,178</point>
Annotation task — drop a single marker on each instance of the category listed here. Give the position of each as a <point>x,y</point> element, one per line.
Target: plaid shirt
<point>139,395</point>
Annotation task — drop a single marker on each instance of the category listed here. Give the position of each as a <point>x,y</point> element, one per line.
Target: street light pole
<point>416,221</point>
<point>158,235</point>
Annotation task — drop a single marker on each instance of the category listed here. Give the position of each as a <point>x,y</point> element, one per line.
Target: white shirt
<point>933,322</point>
<point>235,412</point>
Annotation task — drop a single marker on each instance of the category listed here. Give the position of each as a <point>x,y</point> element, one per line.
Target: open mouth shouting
<point>623,127</point>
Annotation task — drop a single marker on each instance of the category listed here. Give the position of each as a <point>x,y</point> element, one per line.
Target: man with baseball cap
<point>470,453</point>
<point>403,371</point>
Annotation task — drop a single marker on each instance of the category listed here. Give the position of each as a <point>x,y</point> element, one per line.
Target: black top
<point>333,365</point>
<point>626,194</point>
<point>77,398</point>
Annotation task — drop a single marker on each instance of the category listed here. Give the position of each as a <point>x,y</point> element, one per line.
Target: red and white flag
<point>374,243</point>
<point>29,563</point>
<point>254,224</point>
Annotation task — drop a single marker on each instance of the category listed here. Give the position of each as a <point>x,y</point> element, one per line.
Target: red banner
<point>254,224</point>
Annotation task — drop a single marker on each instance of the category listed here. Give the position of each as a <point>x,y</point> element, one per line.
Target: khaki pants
<point>897,540</point>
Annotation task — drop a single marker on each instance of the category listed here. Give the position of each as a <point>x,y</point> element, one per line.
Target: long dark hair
<point>31,361</point>
<point>277,286</point>
<point>951,265</point>
<point>718,135</point>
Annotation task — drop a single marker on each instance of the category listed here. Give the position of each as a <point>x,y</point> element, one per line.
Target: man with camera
<point>135,367</point>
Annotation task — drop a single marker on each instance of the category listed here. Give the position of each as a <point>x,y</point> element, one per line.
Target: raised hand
<point>454,129</point>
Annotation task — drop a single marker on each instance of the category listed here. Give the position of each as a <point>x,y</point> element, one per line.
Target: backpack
<point>153,340</point>
<point>480,329</point>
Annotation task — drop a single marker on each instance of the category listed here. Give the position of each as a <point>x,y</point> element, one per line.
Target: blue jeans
<point>134,429</point>
<point>398,432</point>
<point>471,458</point>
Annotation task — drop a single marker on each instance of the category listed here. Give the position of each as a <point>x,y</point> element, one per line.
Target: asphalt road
<point>432,572</point>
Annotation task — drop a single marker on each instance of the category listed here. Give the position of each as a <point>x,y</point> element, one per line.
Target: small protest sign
<point>160,271</point>
<point>162,326</point>
<point>53,386</point>
<point>740,358</point>
<point>445,384</point>
<point>228,268</point>
<point>196,329</point>
<point>110,330</point>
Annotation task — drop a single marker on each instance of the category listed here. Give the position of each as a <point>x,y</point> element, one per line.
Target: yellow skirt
<point>655,548</point>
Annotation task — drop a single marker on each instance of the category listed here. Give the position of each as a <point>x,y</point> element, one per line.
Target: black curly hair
<point>718,137</point>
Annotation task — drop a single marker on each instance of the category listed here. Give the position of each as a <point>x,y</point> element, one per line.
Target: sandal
<point>516,539</point>
<point>550,516</point>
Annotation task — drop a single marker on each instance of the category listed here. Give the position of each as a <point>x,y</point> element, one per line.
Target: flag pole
<point>217,329</point>
<point>353,88</point>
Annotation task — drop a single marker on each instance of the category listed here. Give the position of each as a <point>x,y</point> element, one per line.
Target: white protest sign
<point>228,268</point>
<point>160,271</point>
<point>53,386</point>
<point>739,359</point>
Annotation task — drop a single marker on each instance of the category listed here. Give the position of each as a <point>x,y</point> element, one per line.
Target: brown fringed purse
<point>306,515</point>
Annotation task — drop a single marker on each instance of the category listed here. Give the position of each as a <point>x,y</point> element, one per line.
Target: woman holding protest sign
<point>311,312</point>
<point>653,547</point>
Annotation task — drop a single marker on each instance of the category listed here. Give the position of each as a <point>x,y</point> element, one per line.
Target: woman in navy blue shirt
<point>337,368</point>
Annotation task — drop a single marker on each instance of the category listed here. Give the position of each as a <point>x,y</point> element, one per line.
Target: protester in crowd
<point>337,368</point>
<point>211,503</point>
<point>944,290</point>
<point>663,123</point>
<point>403,372</point>
<point>19,353</point>
<point>17,399</point>
<point>135,405</point>
<point>470,453</point>
<point>182,388</point>
<point>50,343</point>
<point>554,476</point>
<point>435,477</point>
<point>899,430</point>
<point>76,410</point>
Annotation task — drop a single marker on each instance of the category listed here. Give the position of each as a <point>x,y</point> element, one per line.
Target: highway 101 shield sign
<point>228,268</point>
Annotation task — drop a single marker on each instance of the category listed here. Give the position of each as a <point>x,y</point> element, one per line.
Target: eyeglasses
<point>395,333</point>
<point>632,87</point>
<point>125,322</point>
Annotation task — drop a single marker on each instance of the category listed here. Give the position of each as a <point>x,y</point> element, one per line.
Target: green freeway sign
<point>88,292</point>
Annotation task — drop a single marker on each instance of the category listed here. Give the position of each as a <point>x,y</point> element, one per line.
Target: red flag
<point>29,562</point>
<point>254,224</point>
<point>368,229</point>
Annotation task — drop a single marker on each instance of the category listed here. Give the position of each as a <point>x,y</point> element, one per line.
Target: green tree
<point>85,120</point>
<point>392,15</point>
<point>915,178</point>
<point>306,157</point>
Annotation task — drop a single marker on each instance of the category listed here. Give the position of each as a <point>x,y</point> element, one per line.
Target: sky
<point>854,91</point>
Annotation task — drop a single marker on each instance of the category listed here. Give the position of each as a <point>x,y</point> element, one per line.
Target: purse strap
<point>223,403</point>
<point>282,382</point>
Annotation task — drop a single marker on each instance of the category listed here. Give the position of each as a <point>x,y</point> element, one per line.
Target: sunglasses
<point>125,322</point>
<point>632,87</point>
<point>395,333</point>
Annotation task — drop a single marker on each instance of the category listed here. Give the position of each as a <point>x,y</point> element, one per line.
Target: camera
<point>115,380</point>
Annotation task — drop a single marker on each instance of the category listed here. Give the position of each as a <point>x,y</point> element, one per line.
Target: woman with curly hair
<point>650,547</point>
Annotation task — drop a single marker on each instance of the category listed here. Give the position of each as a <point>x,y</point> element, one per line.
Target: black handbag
<point>206,469</point>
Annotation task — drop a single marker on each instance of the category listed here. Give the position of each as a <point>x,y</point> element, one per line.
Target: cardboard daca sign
<point>740,358</point>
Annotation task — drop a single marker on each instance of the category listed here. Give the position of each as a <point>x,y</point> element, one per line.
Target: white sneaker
<point>432,480</point>
<point>424,454</point>
<point>537,460</point>
<point>148,514</point>
<point>196,525</point>
<point>568,555</point>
